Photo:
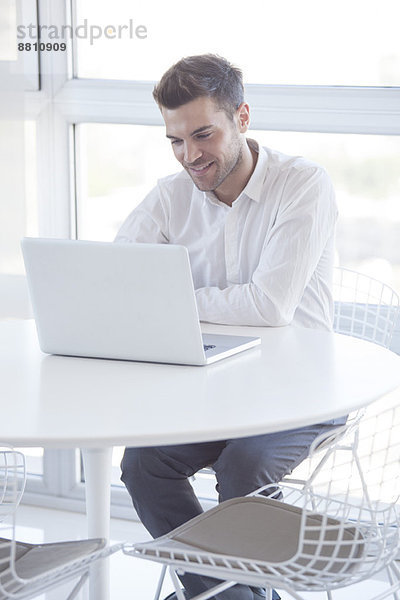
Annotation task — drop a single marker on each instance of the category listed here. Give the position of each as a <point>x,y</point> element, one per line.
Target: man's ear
<point>243,117</point>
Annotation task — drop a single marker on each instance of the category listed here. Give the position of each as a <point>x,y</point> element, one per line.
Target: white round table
<point>295,377</point>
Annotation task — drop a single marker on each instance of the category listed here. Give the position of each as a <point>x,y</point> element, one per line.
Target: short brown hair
<point>202,75</point>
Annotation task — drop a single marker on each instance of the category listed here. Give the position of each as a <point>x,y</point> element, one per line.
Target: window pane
<point>17,20</point>
<point>291,42</point>
<point>119,164</point>
<point>18,208</point>
<point>365,174</point>
<point>8,20</point>
<point>34,461</point>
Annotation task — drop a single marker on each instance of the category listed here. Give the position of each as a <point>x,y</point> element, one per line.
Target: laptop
<point>120,301</point>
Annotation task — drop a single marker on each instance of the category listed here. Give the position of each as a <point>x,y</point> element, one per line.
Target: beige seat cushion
<point>266,530</point>
<point>35,560</point>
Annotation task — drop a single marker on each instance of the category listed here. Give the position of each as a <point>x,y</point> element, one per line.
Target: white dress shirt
<point>268,259</point>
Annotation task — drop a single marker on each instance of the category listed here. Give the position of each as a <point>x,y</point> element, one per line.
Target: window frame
<point>25,69</point>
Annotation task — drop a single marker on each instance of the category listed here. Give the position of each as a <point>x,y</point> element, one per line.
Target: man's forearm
<point>241,304</point>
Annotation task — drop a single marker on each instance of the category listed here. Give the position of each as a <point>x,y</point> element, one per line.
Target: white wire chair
<point>364,308</point>
<point>12,480</point>
<point>26,570</point>
<point>339,529</point>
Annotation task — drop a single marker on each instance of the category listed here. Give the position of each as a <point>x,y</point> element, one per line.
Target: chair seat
<point>265,532</point>
<point>34,561</point>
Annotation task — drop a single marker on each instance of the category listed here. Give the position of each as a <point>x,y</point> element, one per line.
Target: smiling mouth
<point>201,170</point>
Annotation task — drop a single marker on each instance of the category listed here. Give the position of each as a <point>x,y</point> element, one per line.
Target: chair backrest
<point>12,484</point>
<point>364,467</point>
<point>358,489</point>
<point>12,480</point>
<point>350,525</point>
<point>364,307</point>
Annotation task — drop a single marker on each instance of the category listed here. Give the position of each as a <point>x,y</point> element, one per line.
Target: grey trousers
<point>157,480</point>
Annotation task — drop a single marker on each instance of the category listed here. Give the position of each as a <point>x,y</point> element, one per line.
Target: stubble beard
<point>231,165</point>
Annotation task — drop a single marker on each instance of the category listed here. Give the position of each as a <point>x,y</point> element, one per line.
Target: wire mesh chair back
<point>12,484</point>
<point>339,529</point>
<point>12,480</point>
<point>350,522</point>
<point>26,569</point>
<point>364,307</point>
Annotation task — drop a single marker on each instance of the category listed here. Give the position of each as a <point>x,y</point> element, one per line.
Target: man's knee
<point>140,465</point>
<point>134,465</point>
<point>243,467</point>
<point>249,463</point>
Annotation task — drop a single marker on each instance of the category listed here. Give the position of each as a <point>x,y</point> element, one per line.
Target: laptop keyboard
<point>208,347</point>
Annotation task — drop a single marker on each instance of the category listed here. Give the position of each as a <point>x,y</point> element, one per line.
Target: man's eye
<point>176,141</point>
<point>203,135</point>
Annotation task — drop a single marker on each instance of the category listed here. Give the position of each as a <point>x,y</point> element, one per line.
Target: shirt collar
<point>254,186</point>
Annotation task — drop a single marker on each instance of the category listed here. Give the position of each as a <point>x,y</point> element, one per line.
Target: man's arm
<point>147,223</point>
<point>291,252</point>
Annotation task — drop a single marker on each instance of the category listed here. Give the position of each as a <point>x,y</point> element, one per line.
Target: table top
<point>294,378</point>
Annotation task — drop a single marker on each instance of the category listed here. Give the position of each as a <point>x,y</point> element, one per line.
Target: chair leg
<point>210,593</point>
<point>78,586</point>
<point>394,576</point>
<point>160,582</point>
<point>392,591</point>
<point>394,585</point>
<point>293,594</point>
<point>177,584</point>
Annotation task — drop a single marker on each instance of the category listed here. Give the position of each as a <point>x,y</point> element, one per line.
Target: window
<point>115,176</point>
<point>34,461</point>
<point>116,166</point>
<point>322,80</point>
<point>18,209</point>
<point>291,42</point>
<point>364,170</point>
<point>8,16</point>
<point>20,69</point>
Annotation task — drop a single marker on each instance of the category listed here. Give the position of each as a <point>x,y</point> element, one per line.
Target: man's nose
<point>191,152</point>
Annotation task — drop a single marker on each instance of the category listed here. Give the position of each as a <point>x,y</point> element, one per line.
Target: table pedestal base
<point>97,465</point>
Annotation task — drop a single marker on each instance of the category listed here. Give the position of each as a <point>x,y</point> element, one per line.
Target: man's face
<point>206,142</point>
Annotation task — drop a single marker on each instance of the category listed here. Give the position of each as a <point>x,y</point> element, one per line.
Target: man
<point>259,228</point>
